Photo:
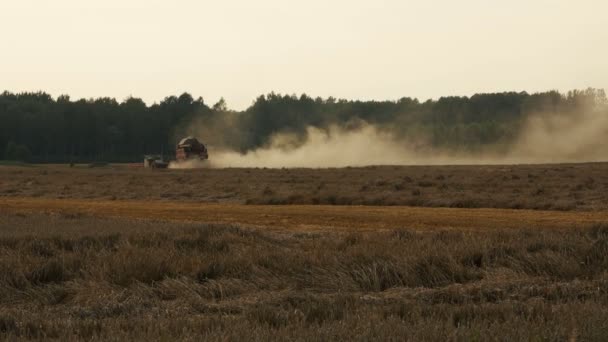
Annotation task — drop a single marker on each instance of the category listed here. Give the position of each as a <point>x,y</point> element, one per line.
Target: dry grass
<point>75,277</point>
<point>550,187</point>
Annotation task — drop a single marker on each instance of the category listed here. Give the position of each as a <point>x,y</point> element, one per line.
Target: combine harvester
<point>188,149</point>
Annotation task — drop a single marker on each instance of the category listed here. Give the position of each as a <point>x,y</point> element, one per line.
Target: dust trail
<point>322,148</point>
<point>563,138</point>
<point>190,164</point>
<point>543,139</point>
<point>337,147</point>
<point>570,136</point>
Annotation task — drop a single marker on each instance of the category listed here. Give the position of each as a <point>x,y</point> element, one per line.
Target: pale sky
<point>354,49</point>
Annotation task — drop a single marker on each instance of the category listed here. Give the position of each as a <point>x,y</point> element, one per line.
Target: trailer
<point>155,161</point>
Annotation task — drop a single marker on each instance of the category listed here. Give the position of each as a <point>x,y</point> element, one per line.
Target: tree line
<point>38,128</point>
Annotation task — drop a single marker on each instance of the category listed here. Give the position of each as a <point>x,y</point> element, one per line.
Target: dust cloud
<point>333,147</point>
<point>562,138</point>
<point>190,164</point>
<point>338,147</point>
<point>542,139</point>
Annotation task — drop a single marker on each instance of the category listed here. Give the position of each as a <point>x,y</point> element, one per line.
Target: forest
<point>35,127</point>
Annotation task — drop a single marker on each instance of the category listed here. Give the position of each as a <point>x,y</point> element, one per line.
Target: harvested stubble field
<point>71,277</point>
<point>547,187</point>
<point>102,254</point>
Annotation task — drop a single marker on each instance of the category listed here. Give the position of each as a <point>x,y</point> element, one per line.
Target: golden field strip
<point>309,217</point>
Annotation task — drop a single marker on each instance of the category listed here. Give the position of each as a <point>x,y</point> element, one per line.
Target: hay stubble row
<point>309,217</point>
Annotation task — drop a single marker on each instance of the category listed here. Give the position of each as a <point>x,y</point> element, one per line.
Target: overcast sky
<point>239,49</point>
